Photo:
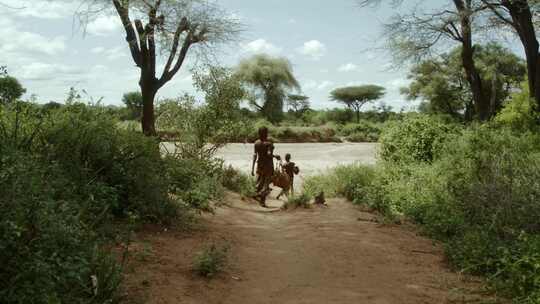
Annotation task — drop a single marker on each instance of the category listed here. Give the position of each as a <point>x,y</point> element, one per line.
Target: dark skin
<point>263,157</point>
<point>263,137</point>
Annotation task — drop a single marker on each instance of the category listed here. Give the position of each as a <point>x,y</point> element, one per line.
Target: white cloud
<point>42,9</point>
<point>112,53</point>
<point>261,46</point>
<point>313,48</point>
<point>397,83</point>
<point>104,25</point>
<point>387,66</point>
<point>39,71</point>
<point>349,67</point>
<point>97,50</point>
<point>355,83</point>
<point>116,52</point>
<point>16,41</point>
<point>318,85</point>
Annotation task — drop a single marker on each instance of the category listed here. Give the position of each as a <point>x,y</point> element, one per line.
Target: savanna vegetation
<point>77,177</point>
<point>464,169</point>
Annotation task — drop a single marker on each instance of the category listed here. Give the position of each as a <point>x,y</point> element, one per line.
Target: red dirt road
<point>334,254</point>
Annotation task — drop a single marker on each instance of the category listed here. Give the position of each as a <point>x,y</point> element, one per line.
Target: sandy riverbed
<point>312,158</point>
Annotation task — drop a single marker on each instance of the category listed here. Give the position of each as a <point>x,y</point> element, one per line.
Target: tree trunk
<point>148,91</point>
<point>481,103</point>
<point>523,23</point>
<point>469,111</point>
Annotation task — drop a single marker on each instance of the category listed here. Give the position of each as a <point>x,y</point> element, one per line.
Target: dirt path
<point>333,254</point>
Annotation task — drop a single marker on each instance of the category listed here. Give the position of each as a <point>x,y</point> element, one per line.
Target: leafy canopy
<point>10,89</point>
<point>441,84</point>
<point>134,104</point>
<point>354,96</point>
<point>270,78</point>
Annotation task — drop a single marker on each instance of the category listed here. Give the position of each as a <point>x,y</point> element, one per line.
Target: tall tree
<point>522,16</point>
<point>357,96</point>
<point>270,79</point>
<point>10,89</point>
<point>440,82</point>
<point>418,34</point>
<point>169,28</point>
<point>134,104</point>
<point>298,104</point>
<point>207,125</point>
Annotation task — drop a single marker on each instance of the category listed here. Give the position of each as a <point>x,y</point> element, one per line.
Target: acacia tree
<point>10,88</point>
<point>298,104</point>
<point>440,83</point>
<point>356,97</point>
<point>522,16</point>
<point>204,127</point>
<point>169,28</point>
<point>417,35</point>
<point>134,104</point>
<point>270,79</point>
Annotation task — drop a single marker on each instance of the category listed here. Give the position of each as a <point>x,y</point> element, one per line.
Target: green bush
<point>298,201</point>
<point>477,192</point>
<point>517,113</point>
<point>211,260</point>
<point>195,182</point>
<point>237,181</point>
<point>479,196</point>
<point>361,132</point>
<point>352,182</point>
<point>50,250</point>
<point>414,139</point>
<point>66,177</point>
<point>85,142</point>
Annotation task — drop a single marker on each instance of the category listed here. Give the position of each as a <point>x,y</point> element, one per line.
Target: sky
<point>329,43</point>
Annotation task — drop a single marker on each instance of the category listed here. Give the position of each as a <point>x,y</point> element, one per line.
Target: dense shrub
<point>297,201</point>
<point>350,182</point>
<point>211,260</point>
<point>67,175</point>
<point>414,139</point>
<point>517,113</point>
<point>51,249</point>
<point>361,132</point>
<point>476,190</point>
<point>86,144</point>
<point>239,182</point>
<point>478,193</point>
<point>196,182</point>
<point>48,252</point>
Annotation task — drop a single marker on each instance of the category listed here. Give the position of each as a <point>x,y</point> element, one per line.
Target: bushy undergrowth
<point>414,139</point>
<point>476,190</point>
<point>68,177</point>
<point>49,250</point>
<point>196,182</point>
<point>211,260</point>
<point>288,132</point>
<point>239,182</point>
<point>350,182</point>
<point>361,132</point>
<point>298,201</point>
